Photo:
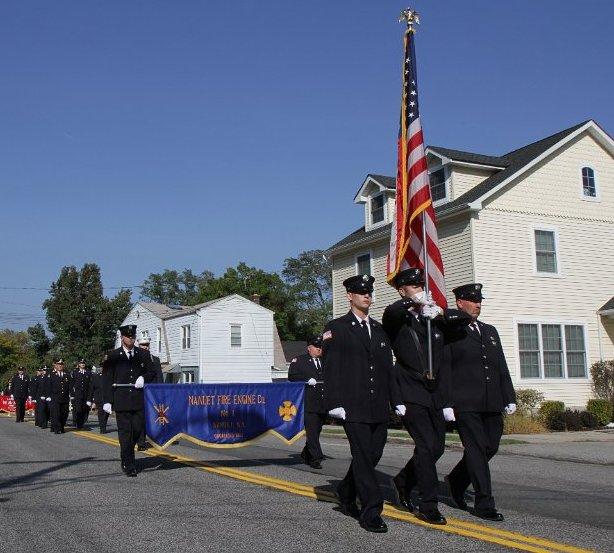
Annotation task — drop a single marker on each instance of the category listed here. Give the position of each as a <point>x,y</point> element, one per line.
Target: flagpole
<point>412,18</point>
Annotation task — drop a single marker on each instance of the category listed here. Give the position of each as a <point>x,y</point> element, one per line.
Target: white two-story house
<point>536,227</point>
<point>230,339</point>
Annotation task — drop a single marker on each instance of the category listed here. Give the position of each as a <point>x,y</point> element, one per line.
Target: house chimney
<point>255,298</point>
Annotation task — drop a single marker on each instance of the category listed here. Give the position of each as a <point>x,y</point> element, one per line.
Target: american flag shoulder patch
<point>327,335</point>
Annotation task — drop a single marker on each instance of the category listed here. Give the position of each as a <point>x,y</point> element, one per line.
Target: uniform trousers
<point>20,408</point>
<point>103,417</point>
<point>480,434</point>
<point>59,415</point>
<point>41,413</point>
<point>79,410</point>
<point>367,441</point>
<point>313,426</point>
<point>129,424</point>
<point>427,428</point>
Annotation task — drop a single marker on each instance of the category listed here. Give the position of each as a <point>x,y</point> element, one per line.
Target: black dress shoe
<point>131,472</point>
<point>315,464</point>
<point>404,500</point>
<point>143,447</point>
<point>490,514</point>
<point>457,495</point>
<point>432,516</point>
<point>349,509</point>
<point>376,525</point>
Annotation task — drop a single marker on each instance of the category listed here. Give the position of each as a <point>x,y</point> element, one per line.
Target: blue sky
<point>149,134</point>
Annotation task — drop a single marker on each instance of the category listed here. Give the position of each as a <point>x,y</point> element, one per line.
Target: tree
<point>15,351</point>
<point>174,288</point>
<point>41,344</point>
<point>309,277</point>
<point>83,321</point>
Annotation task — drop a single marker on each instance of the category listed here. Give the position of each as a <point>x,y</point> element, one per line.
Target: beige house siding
<point>464,179</point>
<point>456,252</point>
<point>554,186</point>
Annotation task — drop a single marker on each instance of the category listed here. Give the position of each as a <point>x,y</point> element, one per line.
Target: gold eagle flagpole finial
<point>411,17</point>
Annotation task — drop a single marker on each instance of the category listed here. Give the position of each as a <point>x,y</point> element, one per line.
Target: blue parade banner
<point>223,415</point>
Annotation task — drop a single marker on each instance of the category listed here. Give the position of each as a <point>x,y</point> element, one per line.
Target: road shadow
<point>33,476</point>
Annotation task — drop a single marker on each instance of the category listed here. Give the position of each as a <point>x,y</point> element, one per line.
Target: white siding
<point>456,253</point>
<point>464,179</point>
<point>187,358</point>
<point>144,320</point>
<point>251,362</point>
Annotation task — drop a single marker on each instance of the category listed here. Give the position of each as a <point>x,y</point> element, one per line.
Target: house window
<point>363,264</point>
<point>576,351</point>
<point>185,337</point>
<point>159,339</point>
<point>551,350</point>
<point>188,377</point>
<point>589,188</point>
<point>377,209</point>
<point>545,251</point>
<point>438,184</point>
<point>528,346</point>
<point>235,336</point>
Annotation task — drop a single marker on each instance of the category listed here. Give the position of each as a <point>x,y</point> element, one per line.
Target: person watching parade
<point>426,399</point>
<point>359,387</point>
<point>125,371</point>
<point>482,390</point>
<point>308,368</point>
<point>19,389</point>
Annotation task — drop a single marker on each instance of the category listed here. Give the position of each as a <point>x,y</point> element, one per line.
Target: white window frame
<point>597,197</point>
<point>447,178</point>
<point>186,336</point>
<point>240,326</point>
<point>562,324</point>
<point>382,195</point>
<point>557,252</point>
<point>362,254</point>
<point>159,339</point>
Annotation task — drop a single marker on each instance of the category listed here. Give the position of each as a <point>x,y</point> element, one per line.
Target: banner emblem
<point>161,411</point>
<point>287,411</point>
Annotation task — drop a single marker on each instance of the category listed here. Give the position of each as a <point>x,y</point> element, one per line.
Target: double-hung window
<point>185,337</point>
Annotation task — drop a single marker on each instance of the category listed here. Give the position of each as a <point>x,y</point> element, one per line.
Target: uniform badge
<point>293,360</point>
<point>327,335</point>
<point>383,344</point>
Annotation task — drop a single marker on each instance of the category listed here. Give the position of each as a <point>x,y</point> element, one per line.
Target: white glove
<point>400,410</point>
<point>107,408</point>
<point>43,398</point>
<point>48,399</point>
<point>29,398</point>
<point>337,412</point>
<point>510,409</point>
<point>312,382</point>
<point>12,396</point>
<point>140,382</point>
<point>448,414</point>
<point>422,298</point>
<point>431,311</point>
<point>88,403</point>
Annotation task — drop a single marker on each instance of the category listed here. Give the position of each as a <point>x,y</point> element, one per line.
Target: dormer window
<point>377,209</point>
<point>438,184</point>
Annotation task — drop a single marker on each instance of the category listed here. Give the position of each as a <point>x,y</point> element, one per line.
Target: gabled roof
<point>512,164</point>
<point>607,306</point>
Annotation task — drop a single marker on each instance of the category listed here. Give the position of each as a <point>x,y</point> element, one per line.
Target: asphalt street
<point>67,493</point>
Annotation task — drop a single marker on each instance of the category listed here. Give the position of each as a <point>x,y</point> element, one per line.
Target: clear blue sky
<point>149,134</point>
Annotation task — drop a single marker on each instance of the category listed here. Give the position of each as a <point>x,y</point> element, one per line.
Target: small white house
<point>230,339</point>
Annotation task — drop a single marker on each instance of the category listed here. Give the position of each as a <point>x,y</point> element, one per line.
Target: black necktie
<point>363,325</point>
<point>317,363</point>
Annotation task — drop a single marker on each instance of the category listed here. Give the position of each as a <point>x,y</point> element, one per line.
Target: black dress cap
<point>128,331</point>
<point>471,292</point>
<point>359,284</point>
<point>413,276</point>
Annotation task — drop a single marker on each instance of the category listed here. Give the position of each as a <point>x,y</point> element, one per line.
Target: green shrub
<point>601,409</point>
<point>573,420</point>
<point>589,421</point>
<point>547,409</point>
<point>527,400</point>
<point>556,421</point>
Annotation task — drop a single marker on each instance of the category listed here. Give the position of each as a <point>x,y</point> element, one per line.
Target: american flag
<point>413,198</point>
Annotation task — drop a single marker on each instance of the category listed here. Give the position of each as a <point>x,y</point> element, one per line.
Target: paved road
<point>66,493</point>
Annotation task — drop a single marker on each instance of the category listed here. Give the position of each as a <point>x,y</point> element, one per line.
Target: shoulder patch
<point>293,360</point>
